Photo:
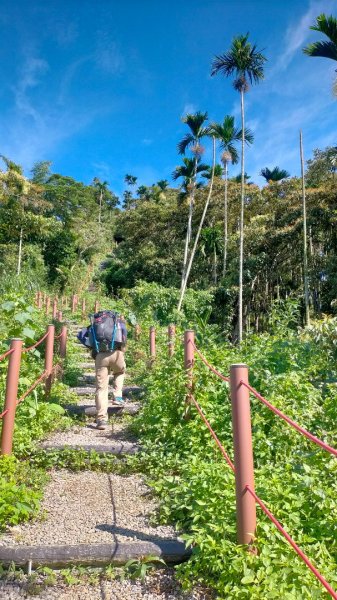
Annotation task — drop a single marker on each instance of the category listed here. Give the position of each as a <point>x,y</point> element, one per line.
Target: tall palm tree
<point>245,62</point>
<point>275,174</point>
<point>325,48</point>
<point>130,180</point>
<point>228,135</point>
<point>101,187</point>
<point>198,130</point>
<point>218,172</point>
<point>188,171</point>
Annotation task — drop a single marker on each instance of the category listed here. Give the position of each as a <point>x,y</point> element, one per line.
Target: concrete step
<point>117,553</point>
<point>89,410</point>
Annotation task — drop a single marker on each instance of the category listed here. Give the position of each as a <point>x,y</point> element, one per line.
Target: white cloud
<point>297,33</point>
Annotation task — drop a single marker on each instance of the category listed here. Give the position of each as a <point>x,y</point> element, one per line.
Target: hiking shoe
<point>102,424</point>
<point>119,401</point>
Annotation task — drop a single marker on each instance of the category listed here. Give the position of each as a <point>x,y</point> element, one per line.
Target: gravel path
<point>89,507</point>
<point>161,585</point>
<point>89,435</point>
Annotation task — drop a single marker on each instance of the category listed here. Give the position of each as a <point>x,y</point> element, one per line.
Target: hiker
<point>106,336</point>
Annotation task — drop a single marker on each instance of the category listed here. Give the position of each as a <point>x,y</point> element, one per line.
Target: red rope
<point>7,353</point>
<point>57,337</point>
<point>303,431</point>
<point>37,343</point>
<point>213,434</point>
<point>292,543</point>
<point>204,360</point>
<point>32,387</point>
<point>3,413</point>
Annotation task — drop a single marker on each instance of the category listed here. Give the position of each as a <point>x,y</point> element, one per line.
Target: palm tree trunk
<point>225,224</point>
<point>305,251</point>
<point>189,224</point>
<point>18,271</point>
<point>215,265</point>
<point>188,270</point>
<point>100,207</point>
<point>241,216</point>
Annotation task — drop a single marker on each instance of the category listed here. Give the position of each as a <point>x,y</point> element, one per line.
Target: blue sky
<point>99,88</point>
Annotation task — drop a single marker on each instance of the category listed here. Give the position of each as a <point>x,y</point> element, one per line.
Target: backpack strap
<point>114,331</point>
<point>92,329</point>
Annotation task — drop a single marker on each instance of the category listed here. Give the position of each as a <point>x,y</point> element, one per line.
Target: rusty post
<point>73,303</point>
<point>152,343</point>
<point>243,454</point>
<point>47,305</point>
<point>11,396</point>
<point>96,307</point>
<point>171,330</point>
<point>83,308</point>
<point>137,332</point>
<point>59,316</point>
<point>48,361</point>
<point>63,342</point>
<point>54,308</point>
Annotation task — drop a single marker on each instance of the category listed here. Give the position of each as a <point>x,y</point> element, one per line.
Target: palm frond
<point>326,25</point>
<point>322,49</point>
<point>187,140</point>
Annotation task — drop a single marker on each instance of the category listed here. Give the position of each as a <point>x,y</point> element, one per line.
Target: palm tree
<point>325,48</point>
<point>228,134</point>
<point>245,62</point>
<point>101,187</point>
<point>130,180</point>
<point>163,184</point>
<point>198,130</point>
<point>188,172</point>
<point>275,174</point>
<point>237,179</point>
<point>218,171</point>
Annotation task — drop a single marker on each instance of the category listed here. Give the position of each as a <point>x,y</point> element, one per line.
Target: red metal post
<point>83,308</point>
<point>243,454</point>
<point>171,334</point>
<point>59,316</point>
<point>47,305</point>
<point>11,396</point>
<point>48,362</point>
<point>73,303</point>
<point>152,343</point>
<point>54,308</point>
<point>63,342</point>
<point>96,307</point>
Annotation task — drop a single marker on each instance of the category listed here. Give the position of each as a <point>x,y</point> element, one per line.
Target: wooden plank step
<point>116,553</point>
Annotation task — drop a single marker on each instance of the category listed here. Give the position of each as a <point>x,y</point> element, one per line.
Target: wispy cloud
<point>298,33</point>
<point>29,78</point>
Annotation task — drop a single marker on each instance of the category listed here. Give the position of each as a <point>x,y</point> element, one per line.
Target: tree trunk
<point>189,224</point>
<point>188,270</point>
<point>215,273</point>
<point>20,252</point>
<point>225,224</point>
<point>100,207</point>
<point>241,215</point>
<point>305,252</point>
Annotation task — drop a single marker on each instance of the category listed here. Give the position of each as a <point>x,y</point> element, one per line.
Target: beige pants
<point>106,362</point>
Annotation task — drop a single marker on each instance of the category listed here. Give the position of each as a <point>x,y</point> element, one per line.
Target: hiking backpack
<point>105,331</point>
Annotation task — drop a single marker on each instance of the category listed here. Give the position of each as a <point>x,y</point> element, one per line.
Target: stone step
<point>90,390</point>
<point>117,553</point>
<point>89,410</point>
<point>116,448</point>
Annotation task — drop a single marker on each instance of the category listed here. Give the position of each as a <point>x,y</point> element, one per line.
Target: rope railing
<point>32,387</point>
<point>36,343</point>
<point>290,421</point>
<point>8,353</point>
<point>243,467</point>
<point>211,368</point>
<point>289,539</point>
<point>13,374</point>
<point>212,432</point>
